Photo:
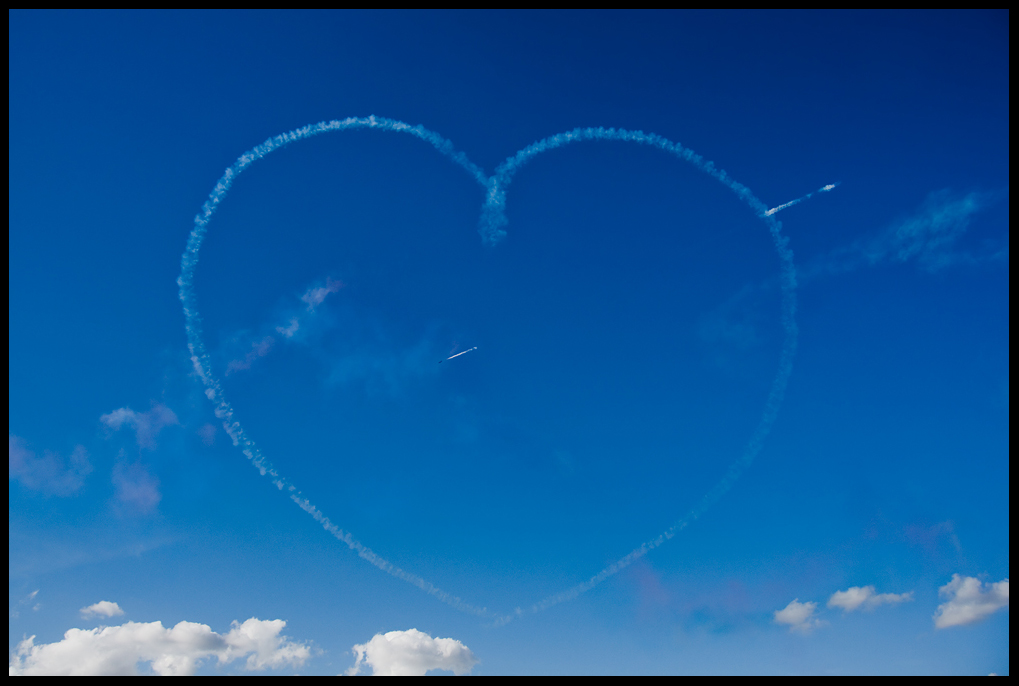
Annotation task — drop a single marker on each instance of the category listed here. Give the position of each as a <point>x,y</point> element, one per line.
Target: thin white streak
<point>459,354</point>
<point>797,201</point>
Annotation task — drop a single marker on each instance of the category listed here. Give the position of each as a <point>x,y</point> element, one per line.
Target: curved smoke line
<point>200,357</point>
<point>493,218</point>
<point>490,226</point>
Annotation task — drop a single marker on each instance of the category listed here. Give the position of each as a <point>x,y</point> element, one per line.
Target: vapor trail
<point>200,356</point>
<point>797,201</point>
<point>458,354</point>
<point>490,226</point>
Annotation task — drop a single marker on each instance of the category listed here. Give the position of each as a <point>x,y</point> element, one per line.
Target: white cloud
<point>412,653</point>
<point>146,425</point>
<point>260,640</point>
<point>136,488</point>
<point>969,601</point>
<point>103,608</point>
<point>929,235</point>
<point>13,612</point>
<point>47,473</point>
<point>798,616</point>
<point>118,650</point>
<point>865,596</point>
<point>290,329</point>
<point>315,296</point>
<point>258,349</point>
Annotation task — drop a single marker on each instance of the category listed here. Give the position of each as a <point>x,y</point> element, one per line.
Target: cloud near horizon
<point>969,601</point>
<point>118,650</point>
<point>799,617</point>
<point>412,653</point>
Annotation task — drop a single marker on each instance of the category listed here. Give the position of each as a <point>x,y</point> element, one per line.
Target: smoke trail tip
<point>829,187</point>
<point>458,354</point>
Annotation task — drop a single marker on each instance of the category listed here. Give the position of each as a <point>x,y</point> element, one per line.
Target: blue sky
<point>628,327</point>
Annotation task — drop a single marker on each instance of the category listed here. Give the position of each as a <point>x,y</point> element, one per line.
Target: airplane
<point>458,354</point>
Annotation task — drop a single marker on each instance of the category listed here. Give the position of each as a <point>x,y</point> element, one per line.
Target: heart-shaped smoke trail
<point>491,227</point>
<point>493,218</point>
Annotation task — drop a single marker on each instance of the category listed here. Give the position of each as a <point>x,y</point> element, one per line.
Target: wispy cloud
<point>799,617</point>
<point>104,608</point>
<point>928,237</point>
<point>316,295</point>
<point>931,537</point>
<point>867,597</point>
<point>312,298</point>
<point>47,473</point>
<point>146,425</point>
<point>382,368</point>
<point>119,650</point>
<point>14,613</point>
<point>207,432</point>
<point>258,349</point>
<point>412,653</point>
<point>290,329</point>
<point>969,601</point>
<point>136,489</point>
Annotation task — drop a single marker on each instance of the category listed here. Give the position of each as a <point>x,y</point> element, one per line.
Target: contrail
<point>458,354</point>
<point>491,227</point>
<point>797,201</point>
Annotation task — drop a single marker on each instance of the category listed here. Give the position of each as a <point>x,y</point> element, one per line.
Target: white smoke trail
<point>493,218</point>
<point>491,223</point>
<point>458,354</point>
<point>797,201</point>
<point>200,357</point>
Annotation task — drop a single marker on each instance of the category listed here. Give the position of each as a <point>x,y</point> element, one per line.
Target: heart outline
<point>490,226</point>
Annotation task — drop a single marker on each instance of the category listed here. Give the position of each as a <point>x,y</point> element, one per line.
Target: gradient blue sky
<point>628,331</point>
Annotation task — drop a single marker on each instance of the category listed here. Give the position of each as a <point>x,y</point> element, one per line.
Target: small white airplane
<point>458,354</point>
